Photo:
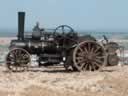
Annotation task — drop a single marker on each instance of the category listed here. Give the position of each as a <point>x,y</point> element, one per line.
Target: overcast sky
<point>98,15</point>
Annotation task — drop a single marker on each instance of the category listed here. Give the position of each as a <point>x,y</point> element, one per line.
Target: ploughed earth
<point>55,81</point>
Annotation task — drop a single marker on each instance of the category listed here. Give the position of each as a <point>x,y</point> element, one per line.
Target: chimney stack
<point>21,21</point>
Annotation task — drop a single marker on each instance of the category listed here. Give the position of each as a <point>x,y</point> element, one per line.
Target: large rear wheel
<point>89,55</point>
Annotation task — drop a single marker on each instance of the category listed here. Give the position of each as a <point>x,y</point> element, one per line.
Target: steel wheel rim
<point>18,60</point>
<point>89,55</point>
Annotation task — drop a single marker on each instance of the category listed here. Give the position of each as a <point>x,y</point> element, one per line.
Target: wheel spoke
<point>82,65</point>
<point>13,54</point>
<point>79,58</point>
<point>81,49</point>
<point>90,67</point>
<point>80,54</point>
<point>98,61</point>
<point>86,51</point>
<point>18,53</point>
<point>99,57</point>
<point>98,65</point>
<point>12,59</point>
<point>93,67</point>
<point>97,49</point>
<point>85,68</point>
<point>97,53</point>
<point>89,47</point>
<point>82,61</point>
<point>92,49</point>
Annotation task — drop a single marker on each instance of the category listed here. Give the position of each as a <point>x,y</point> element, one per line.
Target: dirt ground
<point>55,81</point>
<point>111,81</point>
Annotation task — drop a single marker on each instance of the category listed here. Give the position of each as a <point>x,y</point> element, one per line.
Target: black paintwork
<point>50,47</point>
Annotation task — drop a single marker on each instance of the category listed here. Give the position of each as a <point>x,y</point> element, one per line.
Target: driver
<point>36,27</point>
<point>36,34</point>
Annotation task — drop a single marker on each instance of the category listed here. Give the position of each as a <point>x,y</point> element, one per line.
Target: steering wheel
<point>62,30</point>
<point>62,34</point>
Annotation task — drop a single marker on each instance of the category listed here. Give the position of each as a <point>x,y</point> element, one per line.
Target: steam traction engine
<point>62,45</point>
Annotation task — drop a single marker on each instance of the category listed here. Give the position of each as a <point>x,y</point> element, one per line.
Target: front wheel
<point>18,60</point>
